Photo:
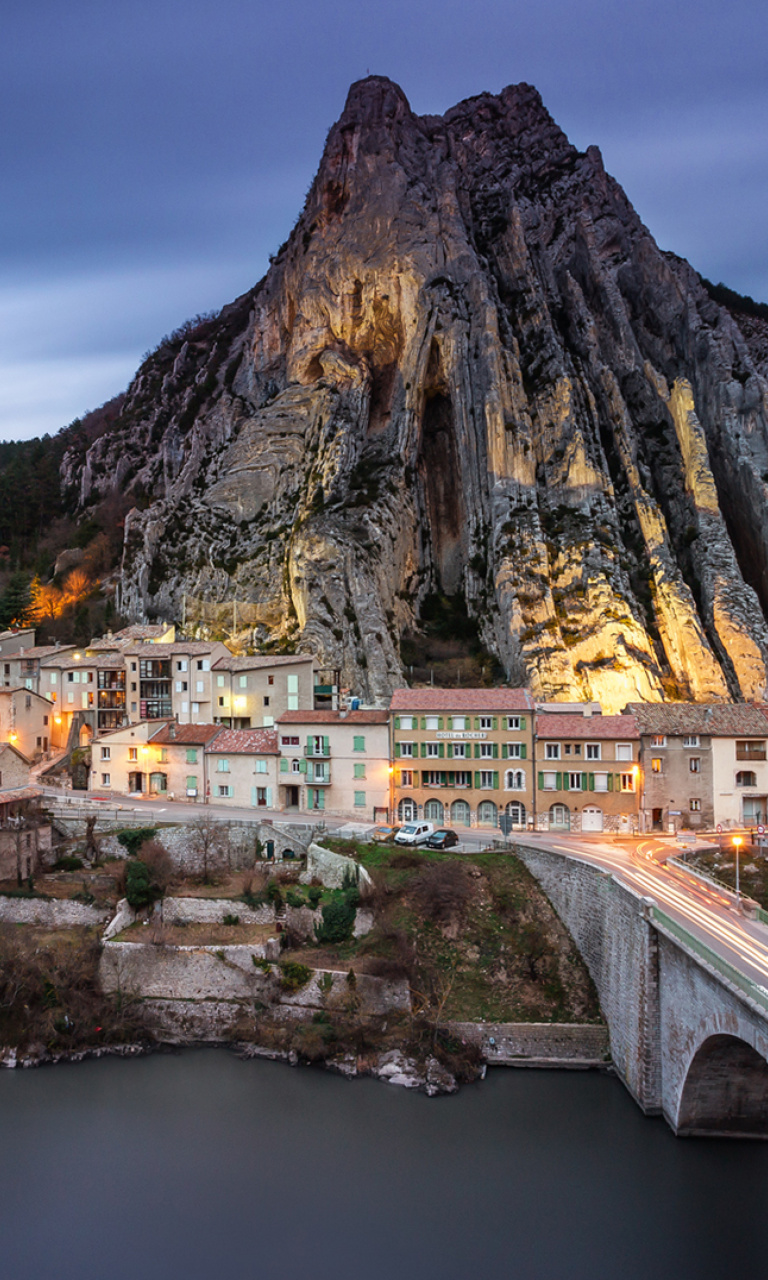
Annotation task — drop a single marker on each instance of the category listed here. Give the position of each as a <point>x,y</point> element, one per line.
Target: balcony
<point>319,779</point>
<point>750,750</point>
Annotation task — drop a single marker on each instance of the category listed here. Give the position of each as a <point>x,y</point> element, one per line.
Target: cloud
<point>40,396</point>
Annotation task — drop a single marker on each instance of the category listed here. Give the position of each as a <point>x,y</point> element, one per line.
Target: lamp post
<point>737,842</point>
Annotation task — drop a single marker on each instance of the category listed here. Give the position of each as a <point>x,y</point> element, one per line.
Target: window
<point>659,740</point>
<point>266,702</point>
<point>458,723</point>
<point>433,749</point>
<point>593,751</point>
<point>459,750</point>
<point>295,766</point>
<point>549,781</point>
<point>222,766</point>
<point>106,753</point>
<point>694,806</point>
<point>195,708</point>
<point>358,743</point>
<point>133,666</point>
<point>462,778</point>
<point>406,777</point>
<point>432,778</point>
<point>260,766</point>
<point>656,765</point>
<point>691,740</point>
<point>552,751</point>
<point>45,720</point>
<point>432,723</point>
<point>199,686</point>
<point>514,780</point>
<point>268,722</point>
<point>359,770</point>
<point>514,750</point>
<point>406,748</point>
<point>221,702</point>
<point>191,785</point>
<point>181,665</point>
<point>242,682</point>
<point>27,702</point>
<point>133,753</point>
<point>750,750</point>
<point>694,764</point>
<point>627,781</point>
<point>624,751</point>
<point>220,682</point>
<point>293,741</point>
<point>486,779</point>
<point>359,799</point>
<point>271,680</point>
<point>54,678</point>
<point>71,676</point>
<point>513,722</point>
<point>191,755</point>
<point>601,782</point>
<point>574,781</point>
<point>224,790</point>
<point>746,778</point>
<point>106,780</point>
<point>406,722</point>
<point>486,750</point>
<point>486,722</point>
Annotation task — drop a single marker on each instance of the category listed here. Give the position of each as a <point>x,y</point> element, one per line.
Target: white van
<point>414,832</point>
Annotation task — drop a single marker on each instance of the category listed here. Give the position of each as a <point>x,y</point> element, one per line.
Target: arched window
<point>461,814</point>
<point>559,818</point>
<point>295,766</point>
<point>407,811</point>
<point>514,780</point>
<point>433,811</point>
<point>516,811</point>
<point>746,778</point>
<point>487,814</point>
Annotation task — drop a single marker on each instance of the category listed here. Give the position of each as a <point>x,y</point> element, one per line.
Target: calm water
<point>200,1165</point>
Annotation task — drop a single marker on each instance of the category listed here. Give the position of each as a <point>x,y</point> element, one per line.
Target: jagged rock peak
<point>471,377</point>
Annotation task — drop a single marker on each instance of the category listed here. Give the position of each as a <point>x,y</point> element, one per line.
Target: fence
<point>756,993</point>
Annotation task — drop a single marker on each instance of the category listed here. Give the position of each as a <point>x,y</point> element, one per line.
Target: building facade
<point>335,761</point>
<point>255,691</point>
<point>587,772</point>
<point>242,767</point>
<point>462,757</point>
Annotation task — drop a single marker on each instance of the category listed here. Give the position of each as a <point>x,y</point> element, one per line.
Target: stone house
<point>25,835</point>
<point>253,692</point>
<point>14,767</point>
<point>28,722</point>
<point>703,764</point>
<point>172,680</point>
<point>462,757</point>
<point>587,771</point>
<point>335,761</point>
<point>242,766</point>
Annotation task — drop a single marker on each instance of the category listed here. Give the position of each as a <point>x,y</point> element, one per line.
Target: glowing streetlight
<point>737,843</point>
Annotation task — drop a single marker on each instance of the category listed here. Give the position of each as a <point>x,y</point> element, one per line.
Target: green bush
<point>274,895</point>
<point>261,964</point>
<point>139,890</point>
<point>68,863</point>
<point>133,838</point>
<point>230,919</point>
<point>294,976</point>
<point>337,923</point>
<point>294,899</point>
<point>315,893</point>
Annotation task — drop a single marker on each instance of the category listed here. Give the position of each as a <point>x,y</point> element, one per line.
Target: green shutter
<point>449,752</point>
<point>326,747</point>
<point>522,722</point>
<point>321,799</point>
<point>495,722</point>
<point>397,722</point>
<point>610,782</point>
<point>591,781</point>
<point>302,766</point>
<point>423,722</point>
<point>283,765</point>
<point>477,779</point>
<point>495,750</point>
<point>566,782</point>
<point>441,750</point>
<point>309,746</point>
<point>477,750</point>
<point>504,751</point>
<point>477,722</point>
<point>397,750</point>
<point>584,782</point>
<point>443,778</point>
<point>523,751</point>
<point>558,781</point>
<point>495,780</point>
<point>423,750</point>
<point>440,723</point>
<point>541,781</point>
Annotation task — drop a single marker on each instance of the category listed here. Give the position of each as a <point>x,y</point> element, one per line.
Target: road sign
<point>761,830</point>
<point>719,828</point>
<point>506,824</point>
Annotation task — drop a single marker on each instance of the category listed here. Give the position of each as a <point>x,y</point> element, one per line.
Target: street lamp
<point>737,842</point>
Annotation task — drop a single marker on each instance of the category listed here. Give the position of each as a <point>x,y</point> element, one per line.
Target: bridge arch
<point>725,1090</point>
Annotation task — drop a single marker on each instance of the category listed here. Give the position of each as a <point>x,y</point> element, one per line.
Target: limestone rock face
<point>469,370</point>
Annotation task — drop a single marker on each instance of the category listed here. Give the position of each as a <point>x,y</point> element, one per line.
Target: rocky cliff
<point>469,371</point>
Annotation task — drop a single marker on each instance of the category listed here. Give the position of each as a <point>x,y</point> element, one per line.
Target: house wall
<point>14,772</point>
<point>119,764</point>
<point>359,779</point>
<point>31,719</point>
<point>674,788</point>
<point>729,798</point>
<point>608,784</point>
<point>261,694</point>
<point>245,775</point>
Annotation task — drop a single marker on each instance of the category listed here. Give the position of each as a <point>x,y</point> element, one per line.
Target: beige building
<point>255,691</point>
<point>242,767</point>
<point>172,680</point>
<point>587,772</point>
<point>123,760</point>
<point>29,723</point>
<point>335,761</point>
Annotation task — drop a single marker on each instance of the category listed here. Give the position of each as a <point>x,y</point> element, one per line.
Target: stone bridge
<point>689,1034</point>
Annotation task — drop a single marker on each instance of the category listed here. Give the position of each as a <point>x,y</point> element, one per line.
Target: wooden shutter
<point>591,781</point>
<point>523,751</point>
<point>495,748</point>
<point>441,750</point>
<point>397,750</point>
<point>495,780</point>
<point>559,781</point>
<point>449,752</point>
<point>477,779</point>
<point>397,722</point>
<point>504,751</point>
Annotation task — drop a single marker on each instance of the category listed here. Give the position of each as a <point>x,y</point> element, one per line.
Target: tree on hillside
<point>15,602</point>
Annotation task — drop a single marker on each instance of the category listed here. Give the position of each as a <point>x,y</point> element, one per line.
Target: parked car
<point>384,833</point>
<point>414,832</point>
<point>442,839</point>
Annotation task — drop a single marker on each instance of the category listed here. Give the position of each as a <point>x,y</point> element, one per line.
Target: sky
<point>153,153</point>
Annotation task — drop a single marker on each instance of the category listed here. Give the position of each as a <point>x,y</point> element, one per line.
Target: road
<point>712,916</point>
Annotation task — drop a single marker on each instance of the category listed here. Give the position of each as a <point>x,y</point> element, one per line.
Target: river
<point>192,1165</point>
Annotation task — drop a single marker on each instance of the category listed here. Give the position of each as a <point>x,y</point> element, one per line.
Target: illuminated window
<point>656,765</point>
<point>695,806</point>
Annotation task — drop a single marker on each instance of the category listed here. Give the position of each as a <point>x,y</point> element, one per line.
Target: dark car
<point>442,839</point>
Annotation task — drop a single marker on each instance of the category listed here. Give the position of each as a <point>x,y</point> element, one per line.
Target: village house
<point>462,757</point>
<point>703,764</point>
<point>587,771</point>
<point>28,722</point>
<point>25,834</point>
<point>13,643</point>
<point>122,760</point>
<point>253,692</point>
<point>335,761</point>
<point>242,767</point>
<point>176,763</point>
<point>172,680</point>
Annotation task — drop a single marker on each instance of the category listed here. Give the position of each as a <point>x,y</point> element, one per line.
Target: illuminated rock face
<point>470,370</point>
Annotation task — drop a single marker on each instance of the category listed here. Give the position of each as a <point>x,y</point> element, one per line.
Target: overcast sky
<point>153,153</point>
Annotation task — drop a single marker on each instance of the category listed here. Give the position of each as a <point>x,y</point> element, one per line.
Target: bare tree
<point>206,842</point>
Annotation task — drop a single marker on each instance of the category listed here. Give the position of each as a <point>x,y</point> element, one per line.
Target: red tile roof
<point>259,661</point>
<point>14,794</point>
<point>498,700</point>
<point>563,726</point>
<point>715,719</point>
<point>195,735</point>
<point>333,717</point>
<point>256,742</point>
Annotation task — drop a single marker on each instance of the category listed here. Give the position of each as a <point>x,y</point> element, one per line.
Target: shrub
<point>230,919</point>
<point>258,963</point>
<point>156,857</point>
<point>68,863</point>
<point>294,976</point>
<point>138,885</point>
<point>133,838</point>
<point>274,895</point>
<point>337,923</point>
<point>315,893</point>
<point>442,891</point>
<point>294,899</point>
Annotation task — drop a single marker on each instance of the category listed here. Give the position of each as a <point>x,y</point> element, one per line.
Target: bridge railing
<point>728,971</point>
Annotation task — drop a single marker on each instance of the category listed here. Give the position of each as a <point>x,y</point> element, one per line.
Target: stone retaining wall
<point>52,913</point>
<point>537,1043</point>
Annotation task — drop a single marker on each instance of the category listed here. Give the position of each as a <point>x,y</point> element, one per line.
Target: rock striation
<point>469,371</point>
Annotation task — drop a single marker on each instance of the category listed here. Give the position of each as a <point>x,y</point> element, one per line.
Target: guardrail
<point>701,875</point>
<point>726,970</point>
